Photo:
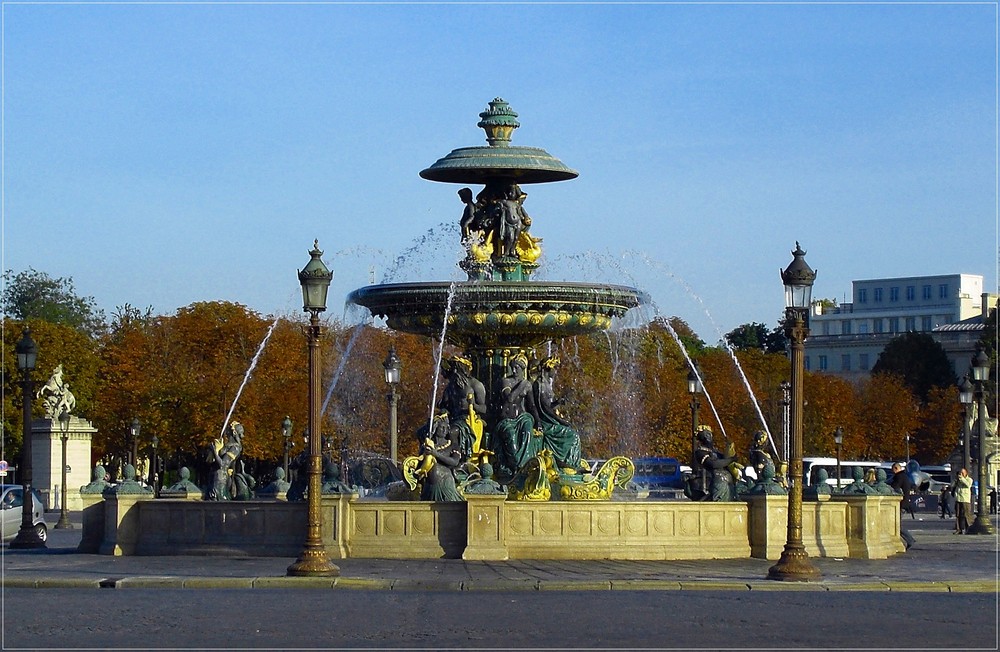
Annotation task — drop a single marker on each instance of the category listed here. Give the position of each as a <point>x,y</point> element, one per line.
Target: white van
<point>812,465</point>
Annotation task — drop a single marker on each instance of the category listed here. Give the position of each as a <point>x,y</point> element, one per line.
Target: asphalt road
<point>317,619</point>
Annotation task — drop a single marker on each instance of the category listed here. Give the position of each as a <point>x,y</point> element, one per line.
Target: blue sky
<point>162,154</point>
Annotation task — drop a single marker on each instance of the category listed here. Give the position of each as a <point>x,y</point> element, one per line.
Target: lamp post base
<point>313,563</point>
<point>981,525</point>
<point>64,523</point>
<point>794,566</point>
<point>27,538</point>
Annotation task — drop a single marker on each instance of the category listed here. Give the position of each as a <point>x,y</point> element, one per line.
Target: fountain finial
<point>498,121</point>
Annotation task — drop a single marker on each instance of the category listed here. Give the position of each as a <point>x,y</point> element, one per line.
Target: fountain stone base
<point>492,528</point>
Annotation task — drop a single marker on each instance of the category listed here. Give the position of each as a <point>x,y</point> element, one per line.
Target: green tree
<point>919,361</point>
<point>756,336</point>
<point>36,295</point>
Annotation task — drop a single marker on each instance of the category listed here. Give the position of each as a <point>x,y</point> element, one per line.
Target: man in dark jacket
<point>902,483</point>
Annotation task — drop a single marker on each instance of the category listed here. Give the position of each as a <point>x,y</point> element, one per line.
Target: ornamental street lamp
<point>153,475</point>
<point>315,281</point>
<point>64,431</point>
<point>286,432</point>
<point>27,355</point>
<point>133,433</point>
<point>965,395</point>
<point>798,278</point>
<point>695,388</point>
<point>980,374</point>
<point>393,367</point>
<point>838,439</point>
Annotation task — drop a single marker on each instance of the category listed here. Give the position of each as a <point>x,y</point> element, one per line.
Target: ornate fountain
<point>500,313</point>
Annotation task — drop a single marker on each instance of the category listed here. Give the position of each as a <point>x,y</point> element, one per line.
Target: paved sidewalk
<point>939,561</point>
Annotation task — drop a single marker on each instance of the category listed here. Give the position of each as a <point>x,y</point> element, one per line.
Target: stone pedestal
<point>485,529</point>
<point>46,460</point>
<point>823,526</point>
<point>121,523</point>
<point>873,524</point>
<point>93,522</point>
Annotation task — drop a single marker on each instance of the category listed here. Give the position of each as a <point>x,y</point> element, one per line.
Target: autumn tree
<point>940,426</point>
<point>889,412</point>
<point>57,344</point>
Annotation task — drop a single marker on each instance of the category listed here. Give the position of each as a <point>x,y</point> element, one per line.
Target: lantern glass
<point>135,428</point>
<point>286,427</point>
<point>965,391</point>
<point>27,352</point>
<point>838,436</point>
<point>392,367</point>
<point>980,367</point>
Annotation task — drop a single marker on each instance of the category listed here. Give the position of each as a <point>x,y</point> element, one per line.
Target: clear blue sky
<point>162,154</point>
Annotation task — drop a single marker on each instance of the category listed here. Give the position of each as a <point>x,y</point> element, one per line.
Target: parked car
<point>11,502</point>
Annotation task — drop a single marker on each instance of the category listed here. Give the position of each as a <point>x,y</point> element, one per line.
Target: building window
<point>863,361</point>
<point>927,292</point>
<point>893,324</point>
<point>943,291</point>
<point>893,294</point>
<point>878,295</point>
<point>862,328</point>
<point>876,325</point>
<point>822,363</point>
<point>845,362</point>
<point>911,324</point>
<point>911,292</point>
<point>845,327</point>
<point>806,362</point>
<point>863,295</point>
<point>925,323</point>
<point>826,328</point>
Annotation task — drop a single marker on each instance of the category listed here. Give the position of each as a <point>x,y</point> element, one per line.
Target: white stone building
<point>847,340</point>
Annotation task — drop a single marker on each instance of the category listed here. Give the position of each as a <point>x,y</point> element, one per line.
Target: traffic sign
<point>3,465</point>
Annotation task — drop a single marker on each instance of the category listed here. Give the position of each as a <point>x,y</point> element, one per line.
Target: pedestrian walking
<point>993,500</point>
<point>902,483</point>
<point>963,501</point>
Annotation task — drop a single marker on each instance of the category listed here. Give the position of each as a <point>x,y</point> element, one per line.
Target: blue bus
<point>658,473</point>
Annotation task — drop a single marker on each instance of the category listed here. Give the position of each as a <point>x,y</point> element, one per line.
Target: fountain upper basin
<point>490,314</point>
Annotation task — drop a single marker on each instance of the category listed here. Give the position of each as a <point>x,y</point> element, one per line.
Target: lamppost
<point>798,278</point>
<point>965,394</point>
<point>133,432</point>
<point>286,432</point>
<point>315,281</point>
<point>838,439</point>
<point>907,438</point>
<point>392,367</point>
<point>153,479</point>
<point>980,374</point>
<point>64,431</point>
<point>27,355</point>
<point>695,389</point>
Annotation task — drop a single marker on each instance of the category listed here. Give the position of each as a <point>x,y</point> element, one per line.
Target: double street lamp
<point>64,432</point>
<point>315,281</point>
<point>695,389</point>
<point>27,354</point>
<point>798,278</point>
<point>393,367</point>
<point>980,374</point>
